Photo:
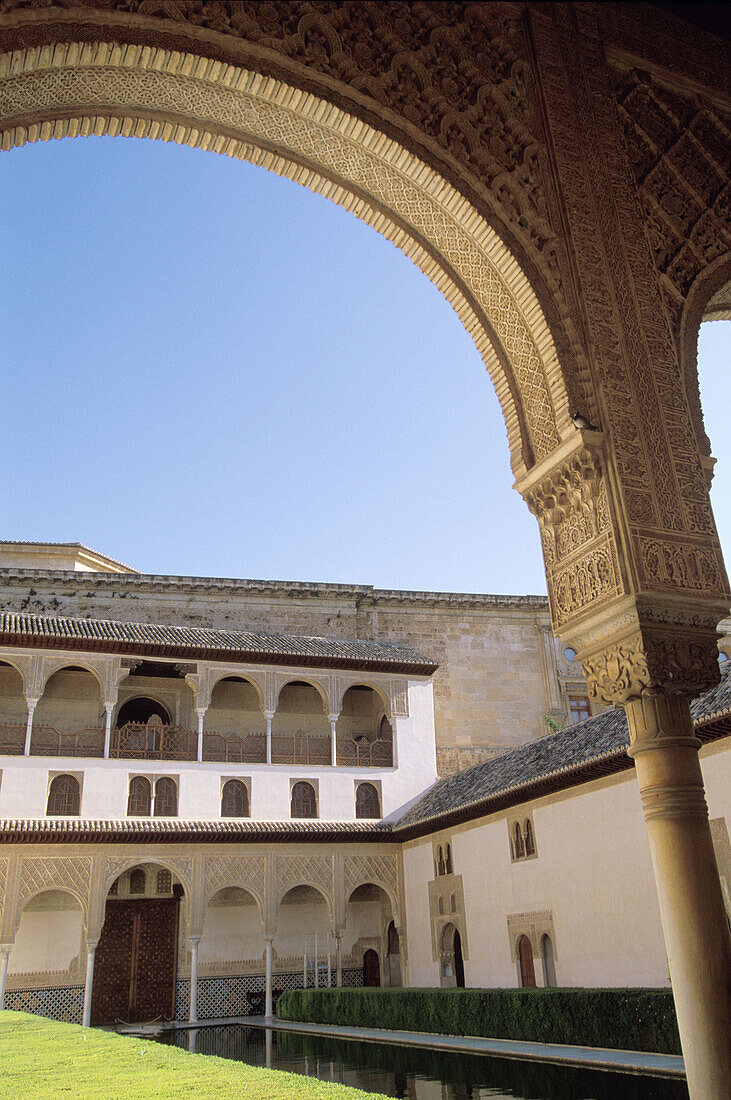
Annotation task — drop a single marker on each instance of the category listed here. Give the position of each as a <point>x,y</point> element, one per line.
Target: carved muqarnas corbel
<point>572,487</point>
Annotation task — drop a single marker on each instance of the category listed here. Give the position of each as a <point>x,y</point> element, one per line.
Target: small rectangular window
<point>579,708</point>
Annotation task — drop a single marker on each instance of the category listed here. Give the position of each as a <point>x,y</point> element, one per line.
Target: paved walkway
<point>620,1061</point>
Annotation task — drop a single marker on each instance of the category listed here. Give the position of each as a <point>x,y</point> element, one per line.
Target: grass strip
<point>42,1059</point>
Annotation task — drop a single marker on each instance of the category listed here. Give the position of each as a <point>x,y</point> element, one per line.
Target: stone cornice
<point>362,593</point>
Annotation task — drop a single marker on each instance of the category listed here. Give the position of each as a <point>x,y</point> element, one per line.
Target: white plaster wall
<point>418,870</point>
<point>49,934</point>
<point>593,872</point>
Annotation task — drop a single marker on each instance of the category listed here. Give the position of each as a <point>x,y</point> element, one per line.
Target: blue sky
<point>213,371</point>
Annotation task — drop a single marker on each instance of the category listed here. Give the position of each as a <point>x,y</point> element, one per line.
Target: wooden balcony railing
<point>365,754</point>
<point>12,739</point>
<point>49,741</point>
<point>153,741</point>
<point>232,748</point>
<point>300,748</point>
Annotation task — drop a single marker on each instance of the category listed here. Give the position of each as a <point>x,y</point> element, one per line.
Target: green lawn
<point>43,1059</point>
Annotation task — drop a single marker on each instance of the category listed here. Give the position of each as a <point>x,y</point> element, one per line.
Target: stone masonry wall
<point>490,690</point>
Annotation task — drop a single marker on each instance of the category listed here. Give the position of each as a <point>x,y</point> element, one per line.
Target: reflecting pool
<point>416,1073</point>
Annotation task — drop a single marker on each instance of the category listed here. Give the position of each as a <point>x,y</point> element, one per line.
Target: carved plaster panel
<point>317,871</point>
<point>678,147</point>
<point>38,873</point>
<point>246,872</point>
<point>381,870</point>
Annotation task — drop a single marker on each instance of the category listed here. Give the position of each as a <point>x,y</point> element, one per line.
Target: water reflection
<point>418,1074</point>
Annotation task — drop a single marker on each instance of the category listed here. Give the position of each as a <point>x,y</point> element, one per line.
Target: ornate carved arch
<point>73,89</point>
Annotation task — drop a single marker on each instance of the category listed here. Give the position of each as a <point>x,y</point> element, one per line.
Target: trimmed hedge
<point>623,1019</point>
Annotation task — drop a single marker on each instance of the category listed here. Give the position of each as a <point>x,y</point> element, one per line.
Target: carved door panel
<point>135,966</point>
<point>153,978</point>
<point>113,964</point>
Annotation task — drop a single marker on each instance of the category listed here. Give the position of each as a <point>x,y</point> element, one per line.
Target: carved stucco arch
<point>381,692</point>
<point>242,677</point>
<point>393,901</point>
<point>75,89</point>
<point>69,663</point>
<point>326,897</point>
<point>24,902</point>
<point>708,300</point>
<point>117,867</point>
<point>234,885</point>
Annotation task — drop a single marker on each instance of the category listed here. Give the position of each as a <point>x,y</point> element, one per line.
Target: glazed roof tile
<point>122,637</point>
<point>576,750</point>
<point>79,829</point>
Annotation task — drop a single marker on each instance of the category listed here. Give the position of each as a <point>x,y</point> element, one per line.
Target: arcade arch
<point>49,936</point>
<point>232,938</point>
<point>635,573</point>
<point>134,963</point>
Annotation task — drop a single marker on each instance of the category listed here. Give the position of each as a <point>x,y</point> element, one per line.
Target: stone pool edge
<point>639,1062</point>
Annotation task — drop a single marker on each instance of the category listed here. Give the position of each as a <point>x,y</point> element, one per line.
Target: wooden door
<point>527,971</point>
<point>135,966</point>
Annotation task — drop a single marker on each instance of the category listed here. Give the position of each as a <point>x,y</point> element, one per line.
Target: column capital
<point>643,645</point>
<point>195,939</point>
<point>269,714</point>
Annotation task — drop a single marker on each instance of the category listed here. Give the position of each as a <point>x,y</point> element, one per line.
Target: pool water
<point>416,1073</point>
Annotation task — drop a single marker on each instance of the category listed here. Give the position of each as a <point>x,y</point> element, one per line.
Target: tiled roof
<point>79,829</point>
<point>573,755</point>
<point>148,639</point>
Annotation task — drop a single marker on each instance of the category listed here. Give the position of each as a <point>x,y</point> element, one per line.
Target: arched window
<point>140,797</point>
<point>449,860</point>
<point>137,881</point>
<point>164,882</point>
<point>234,799</point>
<point>166,797</point>
<point>518,846</point>
<point>440,906</point>
<point>452,903</point>
<point>440,860</point>
<point>304,800</point>
<point>549,968</point>
<point>64,796</point>
<point>367,802</point>
<point>525,959</point>
<point>530,843</point>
